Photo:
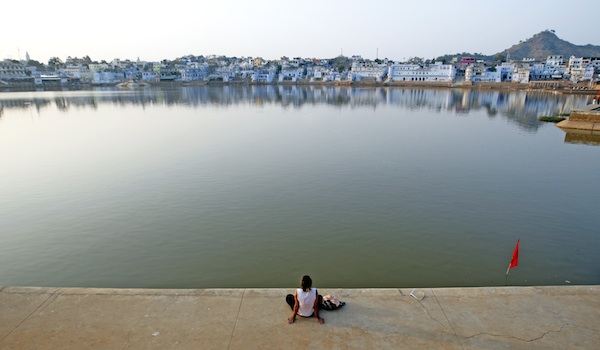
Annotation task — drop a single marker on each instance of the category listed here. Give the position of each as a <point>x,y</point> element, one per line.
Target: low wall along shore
<point>586,118</point>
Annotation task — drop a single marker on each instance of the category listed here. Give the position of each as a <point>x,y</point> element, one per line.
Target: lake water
<point>254,186</point>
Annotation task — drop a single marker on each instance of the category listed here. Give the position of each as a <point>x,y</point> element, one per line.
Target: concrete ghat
<point>566,317</point>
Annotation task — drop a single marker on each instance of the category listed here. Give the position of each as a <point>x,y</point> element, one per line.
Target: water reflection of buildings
<point>521,107</point>
<point>583,137</point>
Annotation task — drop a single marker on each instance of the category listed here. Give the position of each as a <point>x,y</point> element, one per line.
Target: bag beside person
<point>331,302</point>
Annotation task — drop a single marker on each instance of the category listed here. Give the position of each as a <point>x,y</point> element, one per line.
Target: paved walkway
<point>445,318</point>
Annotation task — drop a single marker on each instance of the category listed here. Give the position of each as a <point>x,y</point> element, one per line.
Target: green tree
<point>415,60</point>
<point>212,67</point>
<point>35,63</point>
<point>55,63</point>
<point>340,60</point>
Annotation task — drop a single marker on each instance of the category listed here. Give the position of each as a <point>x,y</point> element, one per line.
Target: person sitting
<point>305,301</point>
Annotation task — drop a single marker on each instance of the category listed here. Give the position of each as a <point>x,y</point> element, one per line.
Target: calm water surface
<point>254,186</point>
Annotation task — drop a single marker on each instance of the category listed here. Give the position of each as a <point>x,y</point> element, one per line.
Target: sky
<point>394,29</point>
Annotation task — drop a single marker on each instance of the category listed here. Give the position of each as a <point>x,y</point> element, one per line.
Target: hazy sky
<point>270,29</point>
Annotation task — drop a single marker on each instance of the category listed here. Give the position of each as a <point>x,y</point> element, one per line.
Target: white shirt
<point>306,301</point>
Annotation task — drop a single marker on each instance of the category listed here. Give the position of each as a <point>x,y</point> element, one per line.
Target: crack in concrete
<point>447,320</point>
<point>127,340</point>
<point>429,314</point>
<point>522,339</point>
<point>426,310</point>
<point>236,320</point>
<point>50,300</point>
<point>39,308</point>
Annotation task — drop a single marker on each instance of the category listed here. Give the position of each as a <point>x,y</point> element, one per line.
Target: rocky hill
<point>539,46</point>
<point>547,43</point>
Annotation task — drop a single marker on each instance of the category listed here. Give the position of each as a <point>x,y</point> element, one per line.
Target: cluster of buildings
<point>468,69</point>
<point>293,70</point>
<point>576,69</point>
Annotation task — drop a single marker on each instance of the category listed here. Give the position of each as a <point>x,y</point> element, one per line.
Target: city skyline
<point>269,29</point>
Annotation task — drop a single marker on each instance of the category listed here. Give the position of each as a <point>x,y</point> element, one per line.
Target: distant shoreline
<point>561,87</point>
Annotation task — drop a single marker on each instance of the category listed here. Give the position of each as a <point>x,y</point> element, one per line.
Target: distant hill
<point>547,43</point>
<point>539,46</point>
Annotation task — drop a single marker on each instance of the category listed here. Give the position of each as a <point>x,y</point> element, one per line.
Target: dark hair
<point>306,283</point>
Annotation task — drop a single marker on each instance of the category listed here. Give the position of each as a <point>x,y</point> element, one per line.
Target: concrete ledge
<point>579,125</point>
<point>563,317</point>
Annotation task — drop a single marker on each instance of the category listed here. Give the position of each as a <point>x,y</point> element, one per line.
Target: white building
<point>11,70</point>
<point>296,62</point>
<point>582,68</point>
<point>539,71</point>
<point>192,74</point>
<point>521,74</point>
<point>506,71</point>
<point>226,74</point>
<point>577,67</point>
<point>367,69</point>
<point>554,61</point>
<point>107,78</point>
<point>80,72</point>
<point>292,75</point>
<point>436,72</point>
<point>97,67</point>
<point>588,74</point>
<point>150,76</point>
<point>555,66</point>
<point>246,73</point>
<point>323,74</point>
<point>263,76</point>
<point>479,73</point>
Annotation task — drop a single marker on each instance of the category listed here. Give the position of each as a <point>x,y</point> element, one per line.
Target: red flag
<point>515,257</point>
